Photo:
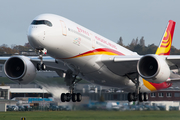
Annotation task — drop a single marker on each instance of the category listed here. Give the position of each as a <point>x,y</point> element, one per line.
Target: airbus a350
<point>79,52</point>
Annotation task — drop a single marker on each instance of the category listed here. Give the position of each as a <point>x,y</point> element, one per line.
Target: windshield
<point>40,22</point>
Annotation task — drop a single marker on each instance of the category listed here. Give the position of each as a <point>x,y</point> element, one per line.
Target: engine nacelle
<point>153,68</point>
<point>20,69</point>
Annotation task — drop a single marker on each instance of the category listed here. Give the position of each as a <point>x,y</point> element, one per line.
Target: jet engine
<point>20,69</point>
<point>153,68</point>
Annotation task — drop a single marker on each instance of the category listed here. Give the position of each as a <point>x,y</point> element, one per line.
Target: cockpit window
<point>40,22</point>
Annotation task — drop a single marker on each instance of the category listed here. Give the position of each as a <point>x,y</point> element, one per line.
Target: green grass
<point>57,80</point>
<point>5,80</point>
<point>91,115</point>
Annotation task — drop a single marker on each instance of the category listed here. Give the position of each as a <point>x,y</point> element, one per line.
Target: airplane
<point>77,53</point>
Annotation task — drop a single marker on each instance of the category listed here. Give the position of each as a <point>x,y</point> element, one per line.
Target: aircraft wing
<point>174,63</point>
<point>173,60</point>
<point>51,63</point>
<point>121,65</point>
<point>3,59</point>
<point>34,59</point>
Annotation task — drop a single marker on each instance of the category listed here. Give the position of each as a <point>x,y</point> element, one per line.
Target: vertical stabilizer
<point>166,42</point>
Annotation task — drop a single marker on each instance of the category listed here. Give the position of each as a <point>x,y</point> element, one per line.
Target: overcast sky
<point>109,18</point>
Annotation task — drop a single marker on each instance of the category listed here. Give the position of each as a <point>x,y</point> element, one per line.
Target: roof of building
<point>4,87</point>
<point>27,90</point>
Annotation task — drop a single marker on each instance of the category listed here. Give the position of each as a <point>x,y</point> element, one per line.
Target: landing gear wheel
<point>74,97</point>
<point>43,66</point>
<point>68,97</point>
<point>135,79</point>
<point>146,97</point>
<point>41,52</point>
<point>141,97</point>
<point>38,66</point>
<point>134,97</point>
<point>63,97</point>
<point>79,97</point>
<point>71,81</point>
<point>130,97</point>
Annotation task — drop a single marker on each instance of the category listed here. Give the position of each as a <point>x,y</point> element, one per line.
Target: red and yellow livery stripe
<point>100,51</point>
<point>156,86</point>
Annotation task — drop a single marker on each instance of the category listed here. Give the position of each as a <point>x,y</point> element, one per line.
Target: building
<point>5,92</point>
<point>29,92</point>
<point>165,95</point>
<point>9,93</point>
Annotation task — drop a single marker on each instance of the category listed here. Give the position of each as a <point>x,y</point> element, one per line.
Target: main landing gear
<point>41,65</point>
<point>137,95</point>
<point>71,82</point>
<point>75,97</point>
<point>134,97</point>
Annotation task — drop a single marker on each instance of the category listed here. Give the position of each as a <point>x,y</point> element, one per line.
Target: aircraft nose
<point>34,37</point>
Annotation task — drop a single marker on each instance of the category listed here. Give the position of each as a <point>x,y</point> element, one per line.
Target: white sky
<point>109,18</point>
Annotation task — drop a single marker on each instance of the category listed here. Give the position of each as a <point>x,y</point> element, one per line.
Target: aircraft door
<point>93,41</point>
<point>64,29</point>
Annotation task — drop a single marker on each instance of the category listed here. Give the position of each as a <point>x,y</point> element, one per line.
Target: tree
<point>120,42</point>
<point>133,42</point>
<point>138,49</point>
<point>174,51</point>
<point>142,42</point>
<point>27,45</point>
<point>2,84</point>
<point>136,43</point>
<point>4,45</point>
<point>151,49</point>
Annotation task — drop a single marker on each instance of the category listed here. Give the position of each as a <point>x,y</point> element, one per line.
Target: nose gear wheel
<point>41,65</point>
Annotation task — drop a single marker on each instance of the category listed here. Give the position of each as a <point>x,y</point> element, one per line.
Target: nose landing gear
<point>41,65</point>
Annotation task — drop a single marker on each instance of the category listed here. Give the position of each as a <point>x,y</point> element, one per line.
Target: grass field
<point>91,115</point>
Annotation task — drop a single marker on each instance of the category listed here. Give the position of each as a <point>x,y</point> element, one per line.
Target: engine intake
<point>15,68</point>
<point>20,69</point>
<point>153,68</point>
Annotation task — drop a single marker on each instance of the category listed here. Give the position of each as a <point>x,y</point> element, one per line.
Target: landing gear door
<point>64,29</point>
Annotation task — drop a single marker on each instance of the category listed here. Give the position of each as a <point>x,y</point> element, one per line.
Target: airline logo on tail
<point>166,42</point>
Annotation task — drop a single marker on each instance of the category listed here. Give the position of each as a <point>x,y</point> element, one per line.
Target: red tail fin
<point>166,42</point>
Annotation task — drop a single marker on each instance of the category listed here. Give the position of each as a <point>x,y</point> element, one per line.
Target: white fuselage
<point>79,49</point>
